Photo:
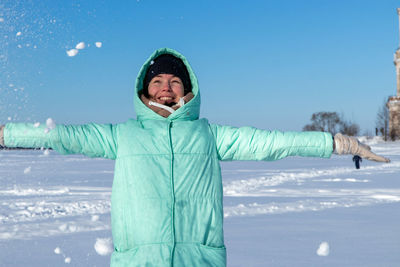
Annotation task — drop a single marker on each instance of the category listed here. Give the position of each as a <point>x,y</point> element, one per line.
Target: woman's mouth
<point>165,98</point>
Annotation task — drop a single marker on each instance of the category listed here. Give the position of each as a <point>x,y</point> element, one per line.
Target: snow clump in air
<point>36,124</point>
<point>80,46</point>
<point>103,246</point>
<point>57,250</point>
<point>72,52</point>
<point>50,125</point>
<point>19,34</point>
<point>323,249</point>
<point>1,20</point>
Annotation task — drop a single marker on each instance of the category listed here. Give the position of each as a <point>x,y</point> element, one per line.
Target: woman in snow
<point>166,199</point>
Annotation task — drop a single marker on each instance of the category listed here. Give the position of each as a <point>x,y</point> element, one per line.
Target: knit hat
<point>167,64</point>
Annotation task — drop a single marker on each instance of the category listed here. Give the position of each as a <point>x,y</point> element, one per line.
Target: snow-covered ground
<point>55,210</point>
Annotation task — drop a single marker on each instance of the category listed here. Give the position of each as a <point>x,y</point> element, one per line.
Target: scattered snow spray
<point>80,46</point>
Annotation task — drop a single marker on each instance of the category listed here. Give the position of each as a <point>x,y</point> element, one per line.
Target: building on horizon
<point>393,103</point>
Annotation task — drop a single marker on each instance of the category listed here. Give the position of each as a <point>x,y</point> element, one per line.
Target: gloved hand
<point>349,145</point>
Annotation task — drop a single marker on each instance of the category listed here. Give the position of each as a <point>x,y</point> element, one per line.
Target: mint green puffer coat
<point>166,199</point>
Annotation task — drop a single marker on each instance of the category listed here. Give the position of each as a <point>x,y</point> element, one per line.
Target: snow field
<point>293,212</point>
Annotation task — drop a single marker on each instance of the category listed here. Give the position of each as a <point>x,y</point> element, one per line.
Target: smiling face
<point>166,89</point>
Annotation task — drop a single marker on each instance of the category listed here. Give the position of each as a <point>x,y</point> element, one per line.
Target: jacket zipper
<point>172,193</point>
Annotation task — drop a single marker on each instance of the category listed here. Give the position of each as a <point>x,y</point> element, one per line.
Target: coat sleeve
<point>94,140</point>
<point>248,143</point>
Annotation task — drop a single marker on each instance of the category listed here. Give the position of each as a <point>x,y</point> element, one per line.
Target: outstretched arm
<point>94,140</point>
<point>248,143</point>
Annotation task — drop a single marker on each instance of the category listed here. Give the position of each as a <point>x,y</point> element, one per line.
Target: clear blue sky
<point>268,64</point>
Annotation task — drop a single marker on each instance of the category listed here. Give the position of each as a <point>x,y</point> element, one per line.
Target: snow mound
<point>323,249</point>
<point>103,246</point>
<point>370,140</point>
<point>17,191</point>
<point>386,197</point>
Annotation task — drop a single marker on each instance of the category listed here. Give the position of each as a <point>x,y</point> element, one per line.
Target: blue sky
<point>268,64</point>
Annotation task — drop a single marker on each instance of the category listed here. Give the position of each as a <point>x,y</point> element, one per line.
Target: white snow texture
<point>57,207</point>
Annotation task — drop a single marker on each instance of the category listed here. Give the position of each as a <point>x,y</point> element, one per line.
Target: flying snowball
<point>103,246</point>
<point>81,45</point>
<point>72,52</point>
<point>323,249</point>
<point>46,152</point>
<point>36,124</point>
<point>50,125</point>
<point>99,44</point>
<point>1,20</point>
<point>19,33</point>
<point>67,260</point>
<point>57,250</point>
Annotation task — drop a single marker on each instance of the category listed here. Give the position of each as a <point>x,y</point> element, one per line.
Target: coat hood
<point>189,111</point>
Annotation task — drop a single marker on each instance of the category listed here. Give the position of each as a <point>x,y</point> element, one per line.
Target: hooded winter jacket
<point>166,199</point>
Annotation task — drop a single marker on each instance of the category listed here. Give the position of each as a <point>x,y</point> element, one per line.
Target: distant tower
<point>394,101</point>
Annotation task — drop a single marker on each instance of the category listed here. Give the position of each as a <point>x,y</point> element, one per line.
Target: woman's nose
<point>166,86</point>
